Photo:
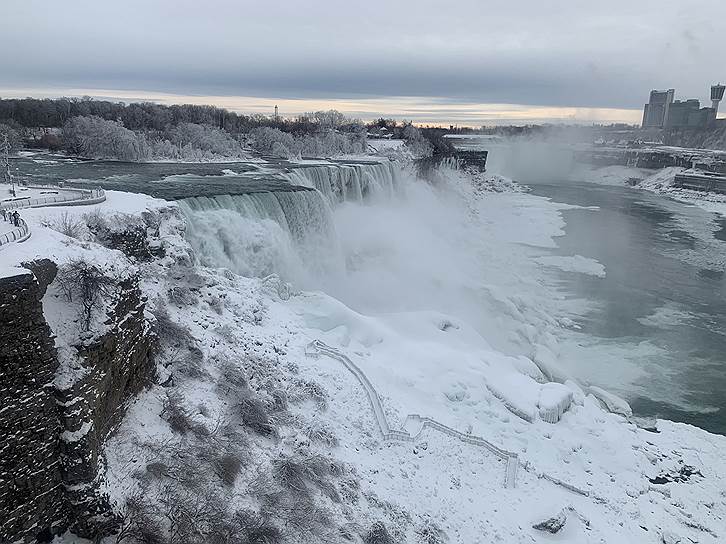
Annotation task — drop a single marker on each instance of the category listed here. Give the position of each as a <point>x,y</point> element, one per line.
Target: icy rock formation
<point>612,402</point>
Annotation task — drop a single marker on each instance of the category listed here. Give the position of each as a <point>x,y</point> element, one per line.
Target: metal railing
<point>77,197</point>
<point>317,348</point>
<point>512,459</point>
<point>18,234</point>
<point>80,196</point>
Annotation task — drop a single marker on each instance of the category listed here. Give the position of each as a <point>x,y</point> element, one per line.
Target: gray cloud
<point>554,53</point>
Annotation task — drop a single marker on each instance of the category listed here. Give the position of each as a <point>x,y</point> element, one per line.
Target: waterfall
<point>290,233</point>
<point>348,182</point>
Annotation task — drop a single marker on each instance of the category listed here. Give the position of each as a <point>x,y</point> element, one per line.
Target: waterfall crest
<point>348,182</point>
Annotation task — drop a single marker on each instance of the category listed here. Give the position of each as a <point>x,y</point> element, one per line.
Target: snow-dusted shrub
<point>256,529</point>
<point>124,232</point>
<point>231,377</point>
<point>170,332</point>
<point>349,490</point>
<point>228,466</point>
<point>300,517</point>
<point>178,417</point>
<point>415,141</point>
<point>299,473</point>
<point>182,296</point>
<point>67,224</point>
<point>226,332</point>
<point>95,221</point>
<point>306,389</point>
<point>254,415</point>
<point>321,433</point>
<point>378,534</point>
<point>217,304</point>
<point>430,533</point>
<point>157,469</point>
<point>87,284</point>
<point>140,522</point>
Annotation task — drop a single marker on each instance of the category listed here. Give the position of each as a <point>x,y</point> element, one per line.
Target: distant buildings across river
<point>662,111</point>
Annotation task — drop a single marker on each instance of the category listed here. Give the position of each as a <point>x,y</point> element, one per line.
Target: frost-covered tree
<point>415,141</point>
<point>269,141</point>
<point>97,138</point>
<point>205,138</point>
<point>12,136</point>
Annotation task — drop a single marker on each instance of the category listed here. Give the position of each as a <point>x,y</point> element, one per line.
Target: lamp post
<point>7,177</point>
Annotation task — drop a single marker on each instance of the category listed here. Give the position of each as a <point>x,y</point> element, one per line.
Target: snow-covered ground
<point>445,309</point>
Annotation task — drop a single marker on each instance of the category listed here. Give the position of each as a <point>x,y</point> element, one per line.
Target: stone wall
<point>51,439</point>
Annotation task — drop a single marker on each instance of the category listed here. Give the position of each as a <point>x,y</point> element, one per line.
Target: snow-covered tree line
<point>98,138</point>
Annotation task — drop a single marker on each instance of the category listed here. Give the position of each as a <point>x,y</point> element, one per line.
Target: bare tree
<point>87,283</point>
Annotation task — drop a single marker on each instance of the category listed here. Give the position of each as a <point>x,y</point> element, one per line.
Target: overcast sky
<point>466,61</point>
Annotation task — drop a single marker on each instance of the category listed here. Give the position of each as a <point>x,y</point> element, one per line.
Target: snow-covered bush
<point>181,295</point>
<point>303,474</point>
<point>254,415</point>
<point>378,534</point>
<point>67,224</point>
<point>178,417</point>
<point>97,138</point>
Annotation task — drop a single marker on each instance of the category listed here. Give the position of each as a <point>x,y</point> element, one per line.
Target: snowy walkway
<point>38,196</point>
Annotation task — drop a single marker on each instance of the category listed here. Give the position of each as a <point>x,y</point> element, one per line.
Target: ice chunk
<point>612,402</point>
<point>519,393</point>
<point>554,400</point>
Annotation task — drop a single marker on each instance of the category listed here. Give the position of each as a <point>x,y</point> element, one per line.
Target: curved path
<point>418,424</point>
<point>74,197</point>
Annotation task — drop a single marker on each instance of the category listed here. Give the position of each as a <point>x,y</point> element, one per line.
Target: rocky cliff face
<point>51,430</point>
<point>31,484</point>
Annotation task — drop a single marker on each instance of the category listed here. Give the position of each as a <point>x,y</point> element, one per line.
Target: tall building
<point>656,110</point>
<point>716,97</point>
<point>663,112</point>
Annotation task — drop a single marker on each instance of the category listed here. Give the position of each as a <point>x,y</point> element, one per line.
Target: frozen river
<point>655,328</point>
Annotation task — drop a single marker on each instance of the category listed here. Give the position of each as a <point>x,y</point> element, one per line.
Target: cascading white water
<point>290,233</point>
<point>348,182</point>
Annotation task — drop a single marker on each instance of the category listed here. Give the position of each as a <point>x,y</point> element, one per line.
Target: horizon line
<point>431,111</point>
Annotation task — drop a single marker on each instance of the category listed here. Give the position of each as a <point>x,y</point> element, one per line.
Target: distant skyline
<point>480,63</point>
